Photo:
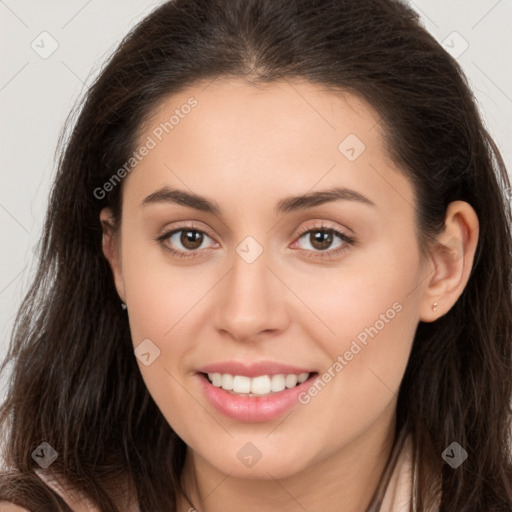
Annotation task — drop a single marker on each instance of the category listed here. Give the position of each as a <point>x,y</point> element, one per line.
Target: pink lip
<point>253,409</point>
<point>254,369</point>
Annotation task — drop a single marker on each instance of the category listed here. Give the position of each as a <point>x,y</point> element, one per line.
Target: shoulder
<point>77,501</point>
<point>34,490</point>
<point>73,498</point>
<point>30,488</point>
<point>404,485</point>
<point>7,506</point>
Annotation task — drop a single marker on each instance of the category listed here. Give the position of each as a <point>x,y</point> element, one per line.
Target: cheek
<point>161,295</point>
<point>369,315</point>
<point>164,308</point>
<point>369,296</point>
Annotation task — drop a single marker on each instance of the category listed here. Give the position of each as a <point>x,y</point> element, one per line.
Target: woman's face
<point>255,279</point>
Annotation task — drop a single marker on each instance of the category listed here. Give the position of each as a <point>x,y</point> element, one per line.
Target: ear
<point>112,250</point>
<point>451,261</point>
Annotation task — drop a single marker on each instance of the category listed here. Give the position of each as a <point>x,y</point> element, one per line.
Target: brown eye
<point>184,242</point>
<point>191,239</point>
<point>320,239</point>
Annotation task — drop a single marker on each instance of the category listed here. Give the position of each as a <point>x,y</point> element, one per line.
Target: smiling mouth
<point>262,385</point>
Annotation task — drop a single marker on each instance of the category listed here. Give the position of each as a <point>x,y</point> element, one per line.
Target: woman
<point>335,335</point>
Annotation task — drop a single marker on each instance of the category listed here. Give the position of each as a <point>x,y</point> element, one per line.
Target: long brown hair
<point>75,382</point>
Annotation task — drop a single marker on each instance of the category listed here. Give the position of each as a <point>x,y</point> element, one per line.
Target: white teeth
<point>241,384</point>
<point>227,381</point>
<point>216,379</point>
<point>261,385</point>
<point>291,381</point>
<point>278,383</point>
<point>303,377</point>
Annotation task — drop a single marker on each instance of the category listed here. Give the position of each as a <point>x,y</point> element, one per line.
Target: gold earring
<point>434,306</point>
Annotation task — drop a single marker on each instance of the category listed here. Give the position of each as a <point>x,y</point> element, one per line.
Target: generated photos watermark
<point>344,359</point>
<point>150,143</point>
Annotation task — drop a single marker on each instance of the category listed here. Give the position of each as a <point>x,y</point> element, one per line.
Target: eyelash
<point>349,241</point>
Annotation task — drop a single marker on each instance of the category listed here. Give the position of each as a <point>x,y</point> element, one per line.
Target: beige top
<point>398,489</point>
<point>396,493</point>
<point>75,500</point>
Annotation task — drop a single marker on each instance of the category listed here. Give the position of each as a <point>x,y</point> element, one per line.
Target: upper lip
<point>253,369</point>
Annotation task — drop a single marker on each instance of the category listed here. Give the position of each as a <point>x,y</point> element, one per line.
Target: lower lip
<point>253,409</point>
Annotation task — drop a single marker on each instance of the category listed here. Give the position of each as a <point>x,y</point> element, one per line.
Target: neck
<point>348,476</point>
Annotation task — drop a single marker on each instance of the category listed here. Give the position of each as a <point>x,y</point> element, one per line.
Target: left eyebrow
<point>312,199</point>
<point>286,205</point>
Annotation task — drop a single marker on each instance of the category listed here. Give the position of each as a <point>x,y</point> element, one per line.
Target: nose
<point>251,302</point>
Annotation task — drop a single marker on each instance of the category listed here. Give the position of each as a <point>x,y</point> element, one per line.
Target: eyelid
<point>323,227</point>
<point>348,240</point>
<point>182,227</point>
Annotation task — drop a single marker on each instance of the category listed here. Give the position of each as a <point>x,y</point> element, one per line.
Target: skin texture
<point>6,506</point>
<point>246,148</point>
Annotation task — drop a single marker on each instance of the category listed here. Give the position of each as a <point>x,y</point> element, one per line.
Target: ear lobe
<point>451,261</point>
<point>111,250</point>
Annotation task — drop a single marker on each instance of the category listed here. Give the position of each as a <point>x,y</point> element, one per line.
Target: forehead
<point>276,115</point>
<point>228,135</point>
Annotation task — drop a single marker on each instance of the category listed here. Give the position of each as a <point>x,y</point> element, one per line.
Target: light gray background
<point>36,95</point>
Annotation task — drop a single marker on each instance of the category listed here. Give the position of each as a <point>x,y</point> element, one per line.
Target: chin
<point>267,467</point>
